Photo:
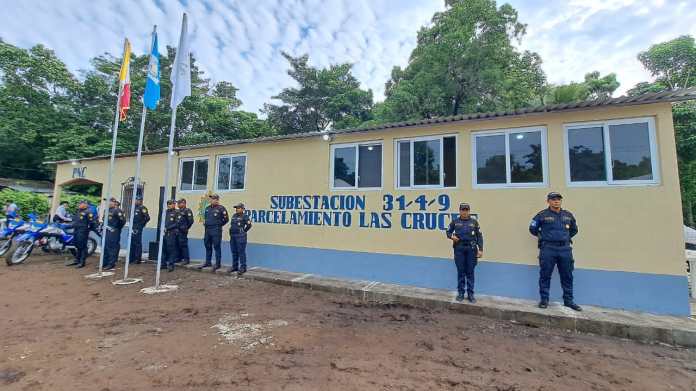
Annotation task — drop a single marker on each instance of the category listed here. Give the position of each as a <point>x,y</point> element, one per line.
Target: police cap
<point>554,195</point>
<point>239,205</point>
<point>113,199</point>
<point>170,202</point>
<point>138,198</point>
<point>84,202</point>
<point>215,196</point>
<point>464,206</point>
<point>182,201</point>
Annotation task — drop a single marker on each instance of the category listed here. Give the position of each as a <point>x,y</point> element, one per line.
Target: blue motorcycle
<point>25,243</point>
<point>10,229</point>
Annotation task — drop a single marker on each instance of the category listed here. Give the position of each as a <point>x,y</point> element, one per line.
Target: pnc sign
<point>79,172</point>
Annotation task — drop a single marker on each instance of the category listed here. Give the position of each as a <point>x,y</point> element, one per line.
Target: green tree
<point>329,98</point>
<point>465,61</point>
<point>601,87</point>
<point>672,63</point>
<point>594,87</point>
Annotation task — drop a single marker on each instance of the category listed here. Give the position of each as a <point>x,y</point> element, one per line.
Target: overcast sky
<point>241,40</point>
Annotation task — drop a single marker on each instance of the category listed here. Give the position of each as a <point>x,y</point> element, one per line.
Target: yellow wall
<point>623,228</point>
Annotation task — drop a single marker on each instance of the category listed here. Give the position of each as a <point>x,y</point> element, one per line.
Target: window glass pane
<point>525,157</point>
<point>404,163</point>
<point>201,178</point>
<point>370,166</point>
<point>490,159</point>
<point>586,154</point>
<point>238,166</point>
<point>344,167</point>
<point>630,152</point>
<point>187,175</point>
<point>223,175</point>
<point>426,162</point>
<point>449,159</point>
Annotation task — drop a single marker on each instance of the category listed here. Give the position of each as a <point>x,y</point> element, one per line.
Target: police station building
<point>373,203</point>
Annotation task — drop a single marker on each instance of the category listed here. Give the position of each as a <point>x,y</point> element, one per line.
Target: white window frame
<point>181,172</point>
<point>508,171</point>
<point>610,182</point>
<point>411,140</point>
<point>357,146</point>
<point>229,182</point>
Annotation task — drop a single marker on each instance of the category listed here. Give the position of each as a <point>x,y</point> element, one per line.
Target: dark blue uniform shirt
<point>468,231</point>
<point>556,228</point>
<point>171,220</point>
<point>185,219</point>
<point>116,218</point>
<point>141,217</point>
<point>240,225</point>
<point>83,221</point>
<point>216,216</point>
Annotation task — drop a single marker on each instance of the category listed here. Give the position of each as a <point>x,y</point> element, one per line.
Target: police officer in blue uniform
<point>239,226</point>
<point>467,242</point>
<point>83,221</point>
<point>141,216</point>
<point>215,218</point>
<point>555,228</point>
<point>171,233</point>
<point>115,222</point>
<point>185,223</point>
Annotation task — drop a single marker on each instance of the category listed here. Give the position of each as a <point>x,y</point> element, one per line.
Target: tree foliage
<point>465,61</point>
<point>47,113</point>
<point>27,202</point>
<point>672,63</point>
<point>329,98</point>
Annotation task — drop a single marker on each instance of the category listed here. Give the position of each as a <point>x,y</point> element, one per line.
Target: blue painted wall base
<point>655,293</point>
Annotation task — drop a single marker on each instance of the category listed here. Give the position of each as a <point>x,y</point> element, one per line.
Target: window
<point>231,172</point>
<point>194,174</point>
<point>507,158</point>
<point>427,162</point>
<point>127,196</point>
<point>356,166</point>
<point>612,152</point>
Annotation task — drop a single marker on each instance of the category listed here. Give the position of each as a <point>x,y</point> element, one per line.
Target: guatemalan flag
<point>152,85</point>
<point>124,82</point>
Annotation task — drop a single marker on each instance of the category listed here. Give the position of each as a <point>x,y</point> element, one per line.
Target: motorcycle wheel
<point>20,254</point>
<point>5,244</point>
<point>91,246</point>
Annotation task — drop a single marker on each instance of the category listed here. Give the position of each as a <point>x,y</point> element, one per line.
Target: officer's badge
<point>215,214</point>
<point>567,226</point>
<point>90,215</point>
<point>473,233</point>
<point>224,212</point>
<point>144,210</point>
<point>533,223</point>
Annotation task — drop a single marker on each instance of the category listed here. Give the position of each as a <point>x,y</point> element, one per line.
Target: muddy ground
<point>60,331</point>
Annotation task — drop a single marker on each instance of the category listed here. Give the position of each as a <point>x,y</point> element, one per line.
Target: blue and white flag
<point>152,86</point>
<point>181,70</point>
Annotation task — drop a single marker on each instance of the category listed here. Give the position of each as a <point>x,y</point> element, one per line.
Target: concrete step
<point>638,326</point>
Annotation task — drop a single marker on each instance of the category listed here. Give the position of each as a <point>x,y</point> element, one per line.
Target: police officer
<point>115,221</point>
<point>140,219</point>
<point>185,223</point>
<point>215,218</point>
<point>83,221</point>
<point>467,241</point>
<point>171,233</point>
<point>239,226</point>
<point>555,227</point>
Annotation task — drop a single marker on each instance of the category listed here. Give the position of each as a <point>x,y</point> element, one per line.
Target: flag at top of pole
<point>181,70</point>
<point>152,85</point>
<point>124,82</point>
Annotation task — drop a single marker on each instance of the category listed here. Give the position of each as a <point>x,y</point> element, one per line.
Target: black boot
<point>217,266</point>
<point>241,271</point>
<point>185,262</point>
<point>573,306</point>
<point>80,265</point>
<point>471,298</point>
<point>73,263</point>
<point>460,297</point>
<point>543,304</point>
<point>170,267</point>
<point>232,270</point>
<point>203,266</point>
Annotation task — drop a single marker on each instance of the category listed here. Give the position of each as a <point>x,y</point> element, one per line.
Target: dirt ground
<point>60,331</point>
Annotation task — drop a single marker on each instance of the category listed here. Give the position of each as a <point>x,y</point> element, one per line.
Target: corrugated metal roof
<point>656,97</point>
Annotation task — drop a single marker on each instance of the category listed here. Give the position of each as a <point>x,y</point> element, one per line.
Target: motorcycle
<point>59,238</point>
<point>10,229</point>
<point>25,243</point>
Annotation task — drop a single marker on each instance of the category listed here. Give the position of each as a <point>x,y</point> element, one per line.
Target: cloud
<point>241,41</point>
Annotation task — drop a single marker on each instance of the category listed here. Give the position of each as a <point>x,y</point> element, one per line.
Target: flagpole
<point>109,181</point>
<point>136,186</point>
<point>164,201</point>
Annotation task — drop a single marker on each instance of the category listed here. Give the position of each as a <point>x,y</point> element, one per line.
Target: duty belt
<point>561,243</point>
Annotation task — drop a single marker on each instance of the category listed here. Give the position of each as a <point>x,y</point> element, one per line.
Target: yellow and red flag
<point>124,82</point>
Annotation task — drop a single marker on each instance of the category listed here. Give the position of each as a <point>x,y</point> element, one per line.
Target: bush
<point>74,199</point>
<point>27,202</point>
